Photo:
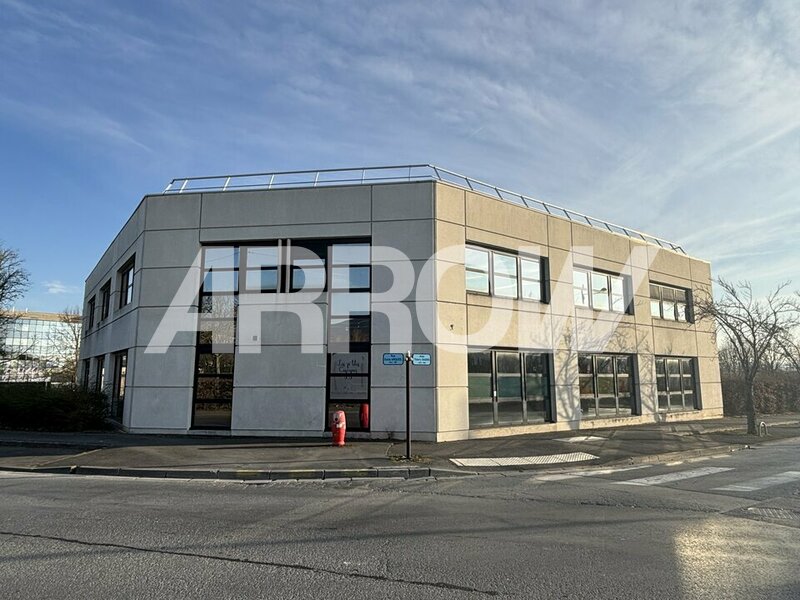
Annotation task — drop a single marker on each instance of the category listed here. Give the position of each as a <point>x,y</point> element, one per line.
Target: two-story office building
<point>259,304</point>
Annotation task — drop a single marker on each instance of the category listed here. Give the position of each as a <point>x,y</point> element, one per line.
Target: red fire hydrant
<point>338,427</point>
<point>363,415</point>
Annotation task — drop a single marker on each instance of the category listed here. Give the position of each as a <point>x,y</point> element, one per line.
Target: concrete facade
<point>281,388</point>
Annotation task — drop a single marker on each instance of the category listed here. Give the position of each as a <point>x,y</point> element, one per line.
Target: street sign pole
<point>408,405</point>
<point>419,359</point>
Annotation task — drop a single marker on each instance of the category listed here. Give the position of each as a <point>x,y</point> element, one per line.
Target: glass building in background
<point>37,346</point>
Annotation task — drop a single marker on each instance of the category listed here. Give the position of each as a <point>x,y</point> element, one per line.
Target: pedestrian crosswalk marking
<point>677,476</point>
<point>508,461</point>
<point>761,483</point>
<point>592,473</point>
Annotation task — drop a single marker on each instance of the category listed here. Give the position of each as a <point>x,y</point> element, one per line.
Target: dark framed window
<point>530,279</point>
<point>105,301</point>
<point>308,266</point>
<point>676,383</point>
<point>503,274</point>
<point>601,291</point>
<point>120,383</point>
<point>476,264</point>
<point>86,373</point>
<point>216,336</point>
<point>508,387</point>
<point>213,395</point>
<point>606,383</point>
<point>90,313</point>
<point>126,283</point>
<point>262,268</point>
<point>504,280</point>
<point>349,274</point>
<point>100,374</point>
<point>670,303</point>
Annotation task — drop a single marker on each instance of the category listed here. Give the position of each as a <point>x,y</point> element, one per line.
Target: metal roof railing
<point>396,174</point>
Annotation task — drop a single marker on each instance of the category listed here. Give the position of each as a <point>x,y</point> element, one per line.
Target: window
<point>600,291</point>
<point>100,374</point>
<point>86,371</point>
<point>503,275</point>
<point>606,388</point>
<point>216,336</point>
<point>676,383</point>
<point>507,387</point>
<point>213,390</point>
<point>669,303</point>
<point>530,279</point>
<point>105,300</point>
<point>126,284</point>
<point>349,333</point>
<point>476,263</point>
<point>262,272</point>
<point>120,382</point>
<point>90,310</point>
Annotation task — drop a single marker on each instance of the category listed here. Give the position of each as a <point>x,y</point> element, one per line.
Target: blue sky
<point>676,118</point>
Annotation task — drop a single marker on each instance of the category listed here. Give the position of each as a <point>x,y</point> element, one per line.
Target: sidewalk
<point>314,458</point>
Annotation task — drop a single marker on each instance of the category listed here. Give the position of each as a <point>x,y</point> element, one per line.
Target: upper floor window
<point>105,300</point>
<point>476,262</point>
<point>669,303</point>
<point>126,284</point>
<point>90,309</point>
<point>503,275</point>
<point>600,291</point>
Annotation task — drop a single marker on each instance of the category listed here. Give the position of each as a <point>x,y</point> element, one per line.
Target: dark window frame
<point>99,373</point>
<point>544,297</point>
<point>203,348</point>
<point>351,346</point>
<point>596,395</point>
<point>126,277</point>
<point>656,292</point>
<point>522,354</point>
<point>91,306</point>
<point>627,296</point>
<point>120,385</point>
<point>105,301</point>
<point>682,361</point>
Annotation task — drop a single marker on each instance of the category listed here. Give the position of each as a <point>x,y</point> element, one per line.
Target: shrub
<point>775,392</point>
<point>51,408</point>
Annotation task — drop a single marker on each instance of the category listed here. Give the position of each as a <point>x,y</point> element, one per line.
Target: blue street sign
<point>420,360</point>
<point>393,359</point>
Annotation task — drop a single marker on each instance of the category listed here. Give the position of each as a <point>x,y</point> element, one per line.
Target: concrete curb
<point>672,456</point>
<point>248,474</point>
<point>51,444</point>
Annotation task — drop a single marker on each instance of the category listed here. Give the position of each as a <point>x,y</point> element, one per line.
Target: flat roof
<point>396,174</point>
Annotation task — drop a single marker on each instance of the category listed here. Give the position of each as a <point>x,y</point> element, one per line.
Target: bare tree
<point>66,343</point>
<point>13,284</point>
<point>753,328</point>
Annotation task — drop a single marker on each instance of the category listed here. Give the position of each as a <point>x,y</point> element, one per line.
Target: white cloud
<point>56,287</point>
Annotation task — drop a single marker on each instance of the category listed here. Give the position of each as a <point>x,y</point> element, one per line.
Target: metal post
<point>408,405</point>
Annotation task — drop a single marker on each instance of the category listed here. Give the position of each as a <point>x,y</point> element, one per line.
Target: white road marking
<point>591,473</point>
<point>677,476</point>
<point>581,438</point>
<point>523,460</point>
<point>761,483</point>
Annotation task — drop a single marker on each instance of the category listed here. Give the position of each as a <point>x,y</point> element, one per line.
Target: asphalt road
<point>658,531</point>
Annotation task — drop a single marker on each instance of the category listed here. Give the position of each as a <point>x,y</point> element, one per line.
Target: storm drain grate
<point>516,461</point>
<point>773,513</point>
